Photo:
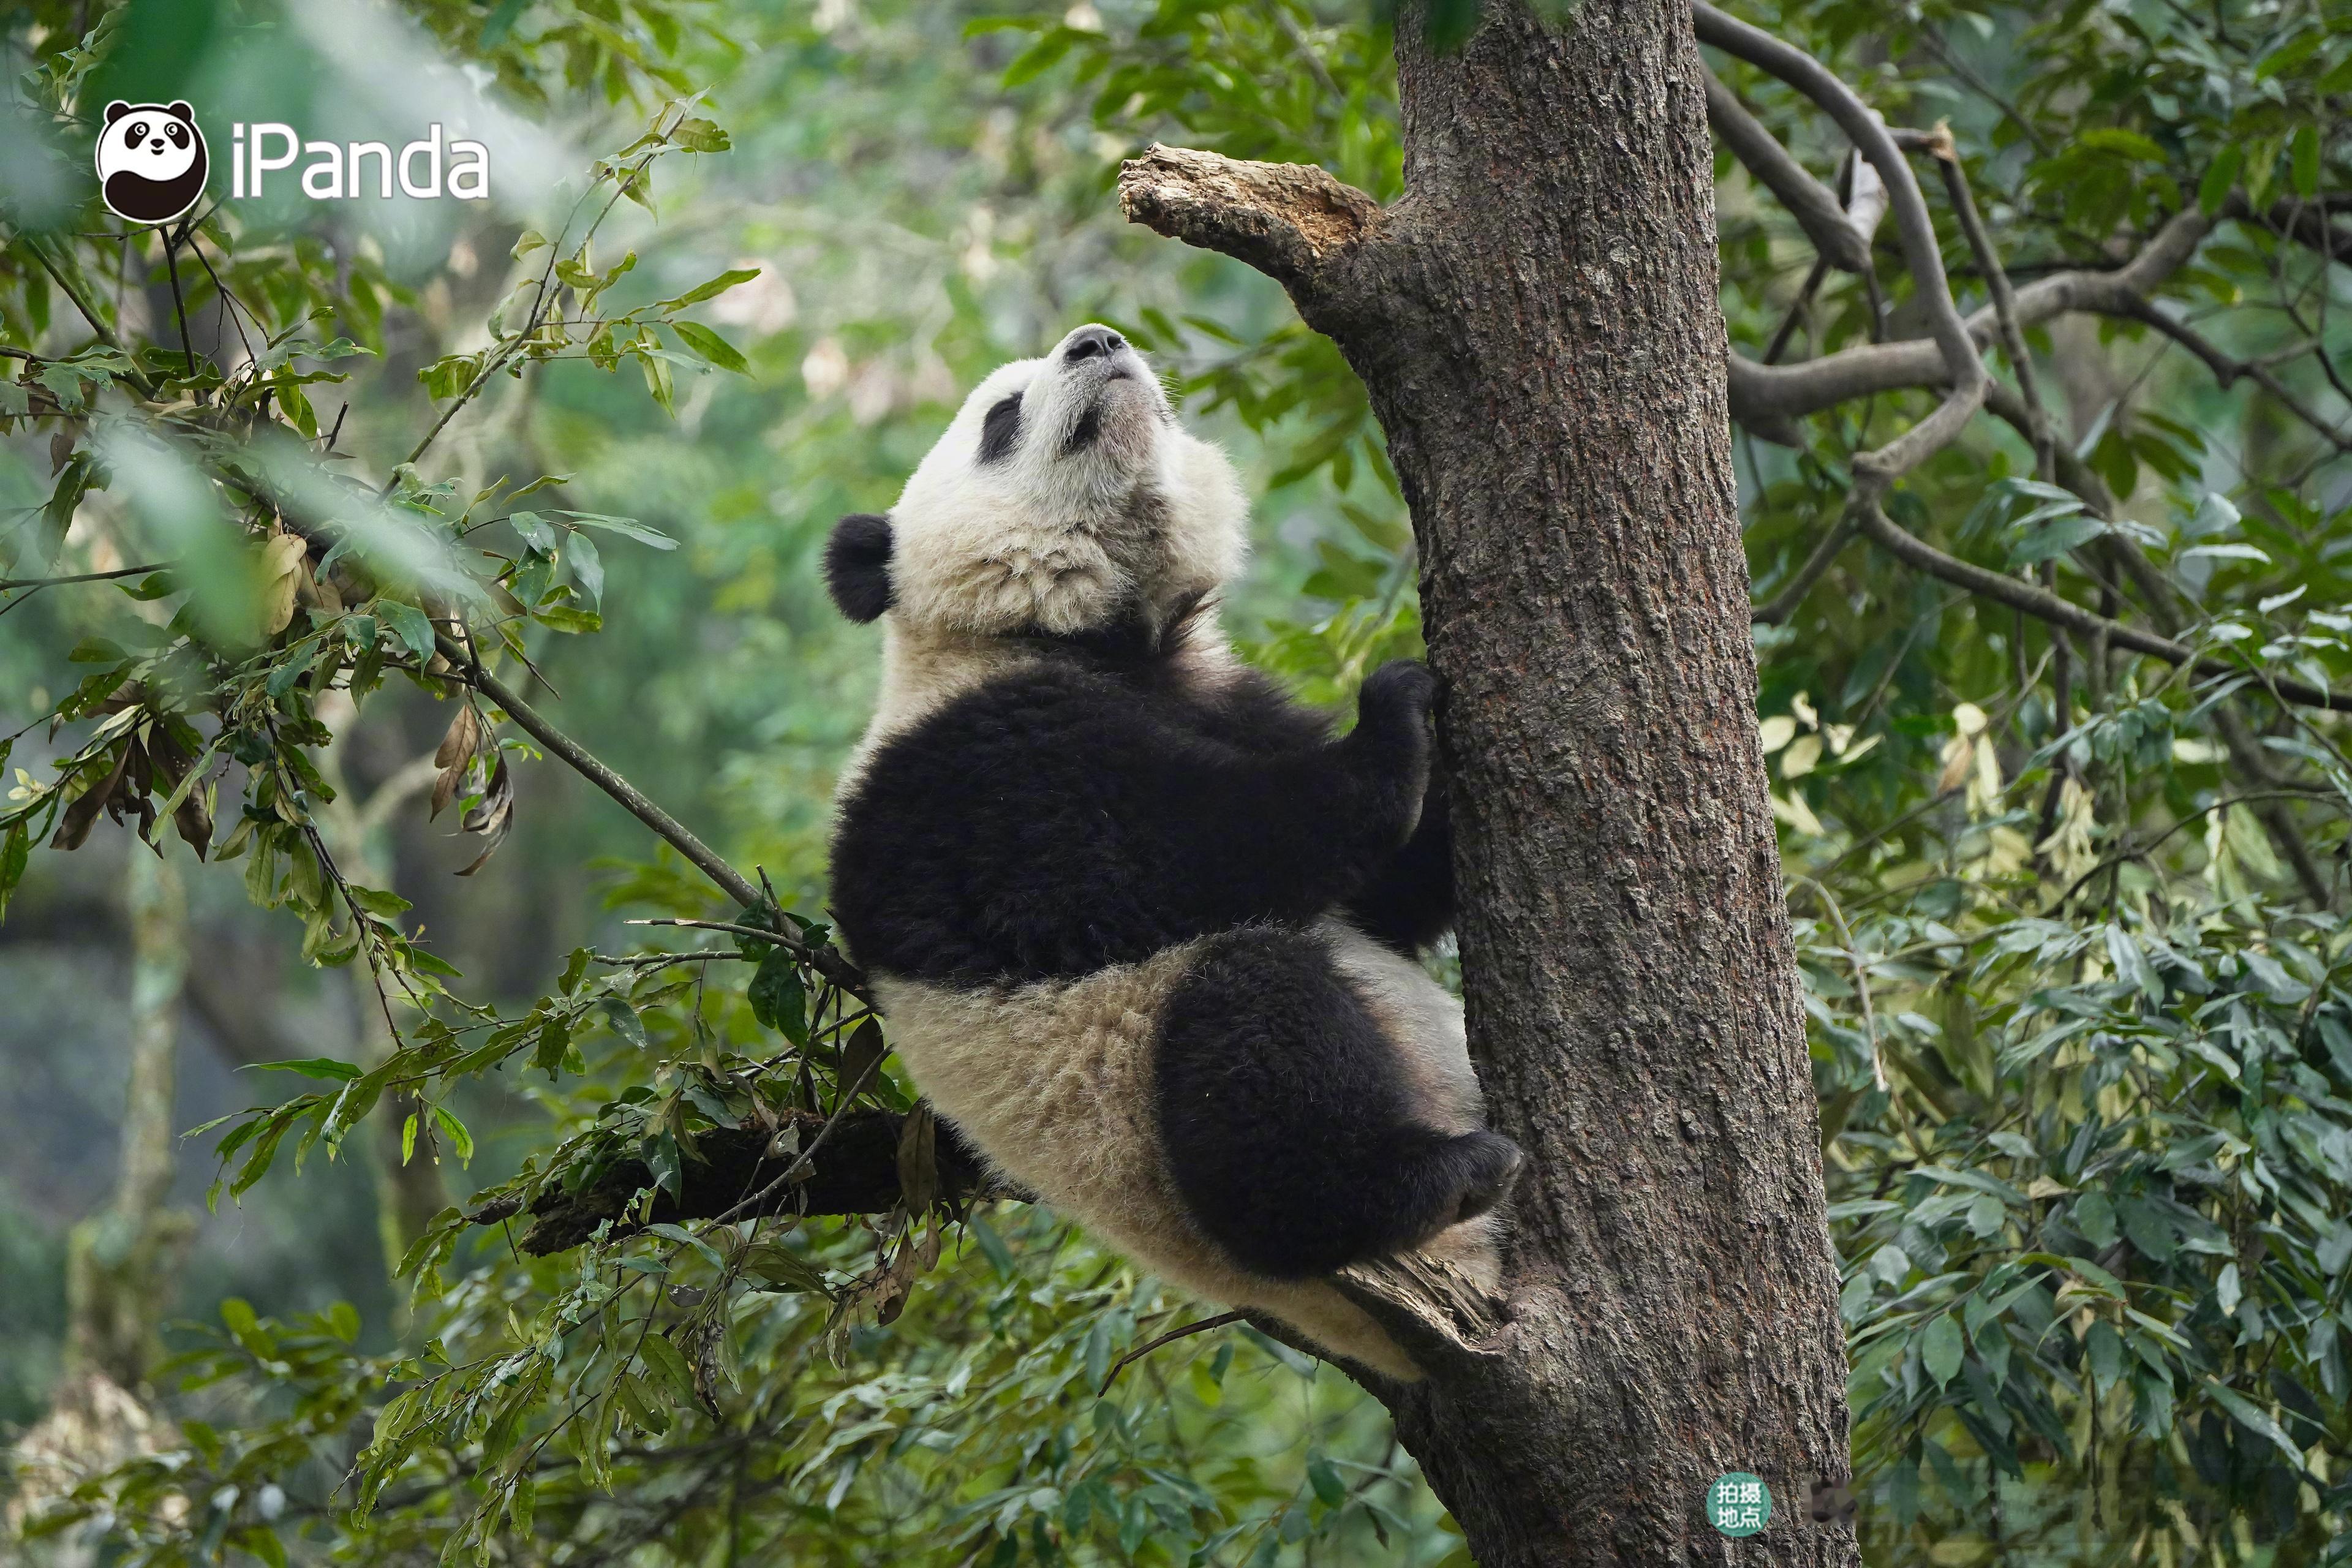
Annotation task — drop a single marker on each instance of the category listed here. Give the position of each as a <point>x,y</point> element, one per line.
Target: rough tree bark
<point>1537,324</point>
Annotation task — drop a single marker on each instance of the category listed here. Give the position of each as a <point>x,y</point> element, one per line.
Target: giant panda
<point>1143,930</point>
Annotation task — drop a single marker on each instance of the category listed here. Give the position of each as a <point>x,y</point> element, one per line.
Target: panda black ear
<point>857,565</point>
<point>115,110</point>
<point>181,107</point>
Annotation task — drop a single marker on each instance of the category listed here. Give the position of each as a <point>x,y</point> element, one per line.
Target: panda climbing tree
<point>1147,936</point>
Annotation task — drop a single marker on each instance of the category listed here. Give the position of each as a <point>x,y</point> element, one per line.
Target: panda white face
<point>1063,498</point>
<point>152,160</point>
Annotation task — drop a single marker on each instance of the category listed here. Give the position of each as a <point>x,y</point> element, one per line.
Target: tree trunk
<point>123,1263</point>
<point>1537,324</point>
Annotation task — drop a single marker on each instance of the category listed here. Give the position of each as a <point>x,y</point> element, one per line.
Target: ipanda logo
<point>152,162</point>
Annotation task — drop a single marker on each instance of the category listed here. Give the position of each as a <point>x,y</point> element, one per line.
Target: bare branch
<point>1783,604</point>
<point>1762,393</point>
<point>1814,206</point>
<point>1870,137</point>
<point>8,582</point>
<point>1958,349</point>
<point>2049,606</point>
<point>1202,1326</point>
<point>2310,224</point>
<point>1291,221</point>
<point>2229,371</point>
<point>2004,299</point>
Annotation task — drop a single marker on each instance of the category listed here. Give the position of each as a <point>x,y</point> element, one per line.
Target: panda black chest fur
<point>1048,824</point>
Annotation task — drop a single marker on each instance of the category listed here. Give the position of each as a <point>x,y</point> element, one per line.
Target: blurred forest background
<point>2074,952</point>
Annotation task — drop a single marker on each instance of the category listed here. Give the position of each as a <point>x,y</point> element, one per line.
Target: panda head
<point>1064,500</point>
<point>152,160</point>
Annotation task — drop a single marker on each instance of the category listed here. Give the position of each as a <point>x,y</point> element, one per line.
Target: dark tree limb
<point>1958,352</point>
<point>1814,206</point>
<point>2228,368</point>
<point>855,1172</point>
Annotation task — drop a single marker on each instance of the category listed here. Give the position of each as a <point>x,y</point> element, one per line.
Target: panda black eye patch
<point>1000,429</point>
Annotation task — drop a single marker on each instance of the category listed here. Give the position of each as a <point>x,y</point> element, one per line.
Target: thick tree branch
<point>1763,394</point>
<point>582,761</point>
<point>2004,300</point>
<point>855,1172</point>
<point>1958,350</point>
<point>1292,222</point>
<point>1870,137</point>
<point>1814,206</point>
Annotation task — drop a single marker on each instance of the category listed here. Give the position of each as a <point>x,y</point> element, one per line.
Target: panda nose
<point>1088,342</point>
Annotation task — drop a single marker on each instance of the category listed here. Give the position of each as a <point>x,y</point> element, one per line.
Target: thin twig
<point>582,761</point>
<point>829,964</point>
<point>7,582</point>
<point>1783,604</point>
<point>1221,1321</point>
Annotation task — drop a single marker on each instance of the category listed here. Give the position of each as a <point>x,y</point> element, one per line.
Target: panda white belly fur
<point>1079,1132</point>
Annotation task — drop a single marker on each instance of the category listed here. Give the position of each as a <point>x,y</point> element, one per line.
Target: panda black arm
<point>1053,822</point>
<point>1409,902</point>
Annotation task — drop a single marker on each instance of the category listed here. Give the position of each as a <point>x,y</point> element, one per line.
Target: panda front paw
<point>1394,742</point>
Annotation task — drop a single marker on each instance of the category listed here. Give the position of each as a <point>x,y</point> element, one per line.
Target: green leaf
<point>2220,175</point>
<point>16,851</point>
<point>459,1139</point>
<point>665,1359</point>
<point>2255,1419</point>
<point>712,289</point>
<point>627,526</point>
<point>376,901</point>
<point>711,347</point>
<point>2303,155</point>
<point>1326,1481</point>
<point>779,997</point>
<point>700,136</point>
<point>2094,1216</point>
<point>412,625</point>
<point>1940,1349</point>
<point>2105,1347</point>
<point>625,1022</point>
<point>2050,540</point>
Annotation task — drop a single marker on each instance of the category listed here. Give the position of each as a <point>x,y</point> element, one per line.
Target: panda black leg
<point>1290,1121</point>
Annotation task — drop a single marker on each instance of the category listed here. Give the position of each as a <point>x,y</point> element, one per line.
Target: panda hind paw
<point>1491,1164</point>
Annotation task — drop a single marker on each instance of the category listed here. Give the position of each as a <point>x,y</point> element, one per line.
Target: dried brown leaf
<point>74,826</point>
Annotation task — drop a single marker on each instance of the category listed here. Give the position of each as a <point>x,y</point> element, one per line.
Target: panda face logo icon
<point>151,161</point>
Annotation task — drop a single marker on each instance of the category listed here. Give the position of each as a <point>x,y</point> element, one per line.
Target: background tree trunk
<point>1536,322</point>
<point>124,1263</point>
